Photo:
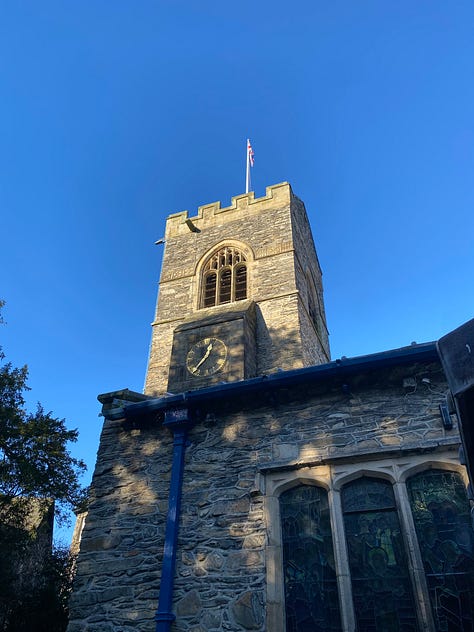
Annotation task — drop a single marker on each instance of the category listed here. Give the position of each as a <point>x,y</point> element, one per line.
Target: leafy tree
<point>37,474</point>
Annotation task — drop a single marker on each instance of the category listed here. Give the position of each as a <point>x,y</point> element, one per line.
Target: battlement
<point>209,214</point>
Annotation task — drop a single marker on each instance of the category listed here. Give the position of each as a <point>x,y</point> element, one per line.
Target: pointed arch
<point>442,518</point>
<point>311,594</point>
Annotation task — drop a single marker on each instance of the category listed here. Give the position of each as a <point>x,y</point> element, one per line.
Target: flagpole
<point>247,176</point>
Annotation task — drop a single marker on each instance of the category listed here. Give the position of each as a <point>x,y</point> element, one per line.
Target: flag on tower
<point>250,163</point>
<point>250,150</point>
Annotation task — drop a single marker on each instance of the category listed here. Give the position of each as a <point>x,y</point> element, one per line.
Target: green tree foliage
<point>37,474</point>
<point>36,581</point>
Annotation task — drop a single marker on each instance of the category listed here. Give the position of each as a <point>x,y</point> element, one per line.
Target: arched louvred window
<point>240,282</point>
<point>381,586</point>
<point>311,597</point>
<point>224,277</point>
<point>210,283</point>
<point>225,286</point>
<point>443,526</point>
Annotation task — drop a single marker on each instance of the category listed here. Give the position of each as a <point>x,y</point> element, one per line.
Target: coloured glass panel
<point>442,520</point>
<point>381,588</point>
<point>311,597</point>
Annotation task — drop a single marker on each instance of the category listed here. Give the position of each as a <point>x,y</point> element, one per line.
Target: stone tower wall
<point>268,228</point>
<point>308,266</point>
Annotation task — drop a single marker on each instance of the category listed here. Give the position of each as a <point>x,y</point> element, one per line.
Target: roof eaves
<point>128,404</point>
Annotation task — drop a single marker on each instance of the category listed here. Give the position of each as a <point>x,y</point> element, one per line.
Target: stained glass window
<point>381,587</point>
<point>442,520</point>
<point>311,597</point>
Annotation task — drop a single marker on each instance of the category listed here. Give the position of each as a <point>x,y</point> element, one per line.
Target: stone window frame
<point>203,271</point>
<point>332,478</point>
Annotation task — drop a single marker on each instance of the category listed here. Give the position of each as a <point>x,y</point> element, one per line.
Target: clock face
<point>206,357</point>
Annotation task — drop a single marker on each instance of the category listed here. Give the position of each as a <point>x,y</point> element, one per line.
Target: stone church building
<point>258,485</point>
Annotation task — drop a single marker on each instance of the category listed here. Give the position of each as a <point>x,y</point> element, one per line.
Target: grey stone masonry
<point>222,579</point>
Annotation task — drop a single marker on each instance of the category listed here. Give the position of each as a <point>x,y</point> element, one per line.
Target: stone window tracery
<point>224,277</point>
<point>360,533</point>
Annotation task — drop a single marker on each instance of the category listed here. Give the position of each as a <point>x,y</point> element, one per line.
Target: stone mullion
<point>415,563</point>
<point>274,566</point>
<point>341,560</point>
<point>232,283</point>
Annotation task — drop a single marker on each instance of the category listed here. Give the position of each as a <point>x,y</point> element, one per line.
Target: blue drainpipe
<point>178,421</point>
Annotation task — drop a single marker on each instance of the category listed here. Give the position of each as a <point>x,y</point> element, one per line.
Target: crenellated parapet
<point>241,206</point>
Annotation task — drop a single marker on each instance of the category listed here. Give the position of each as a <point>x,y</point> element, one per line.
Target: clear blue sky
<point>115,114</point>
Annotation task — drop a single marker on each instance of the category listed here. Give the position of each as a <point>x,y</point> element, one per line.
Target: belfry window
<point>311,597</point>
<point>224,277</point>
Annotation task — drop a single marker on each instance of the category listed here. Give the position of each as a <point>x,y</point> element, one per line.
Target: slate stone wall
<point>221,575</point>
<point>316,348</point>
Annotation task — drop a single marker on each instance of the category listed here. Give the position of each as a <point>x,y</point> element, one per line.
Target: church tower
<point>240,295</point>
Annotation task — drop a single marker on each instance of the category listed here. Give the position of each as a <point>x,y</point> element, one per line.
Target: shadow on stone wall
<point>223,530</point>
<point>118,568</point>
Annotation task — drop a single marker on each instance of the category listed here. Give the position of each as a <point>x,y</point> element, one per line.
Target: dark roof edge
<point>128,404</point>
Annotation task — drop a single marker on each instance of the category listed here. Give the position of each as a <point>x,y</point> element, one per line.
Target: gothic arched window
<point>443,525</point>
<point>224,277</point>
<point>381,585</point>
<point>311,598</point>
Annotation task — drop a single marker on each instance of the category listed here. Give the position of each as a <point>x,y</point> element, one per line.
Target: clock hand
<point>204,358</point>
